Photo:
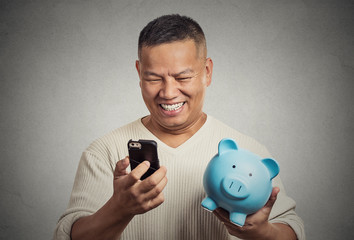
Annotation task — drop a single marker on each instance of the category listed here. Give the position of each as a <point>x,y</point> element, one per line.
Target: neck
<point>174,137</point>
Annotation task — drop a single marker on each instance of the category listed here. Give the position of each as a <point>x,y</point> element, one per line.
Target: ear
<point>272,166</point>
<point>227,144</point>
<point>209,71</point>
<point>137,66</point>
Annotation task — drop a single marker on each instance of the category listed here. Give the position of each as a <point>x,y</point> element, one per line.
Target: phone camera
<point>135,145</point>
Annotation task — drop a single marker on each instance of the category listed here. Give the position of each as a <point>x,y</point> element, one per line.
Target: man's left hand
<point>256,225</point>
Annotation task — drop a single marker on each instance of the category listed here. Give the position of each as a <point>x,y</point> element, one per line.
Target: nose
<point>169,89</point>
<point>235,188</point>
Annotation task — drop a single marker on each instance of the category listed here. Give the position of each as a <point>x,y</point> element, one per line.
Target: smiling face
<point>173,80</point>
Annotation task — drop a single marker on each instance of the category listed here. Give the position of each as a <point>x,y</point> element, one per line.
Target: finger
<point>157,201</point>
<point>156,191</point>
<point>222,214</point>
<point>121,167</point>
<point>152,181</point>
<point>135,175</point>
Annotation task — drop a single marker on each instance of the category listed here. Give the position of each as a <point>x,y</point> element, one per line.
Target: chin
<point>172,123</point>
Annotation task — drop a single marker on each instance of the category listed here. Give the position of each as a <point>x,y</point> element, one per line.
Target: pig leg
<point>209,204</point>
<point>238,218</point>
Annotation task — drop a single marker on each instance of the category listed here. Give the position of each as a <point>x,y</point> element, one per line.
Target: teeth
<point>172,107</point>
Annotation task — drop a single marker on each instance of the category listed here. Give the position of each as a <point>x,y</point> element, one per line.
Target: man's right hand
<point>133,196</point>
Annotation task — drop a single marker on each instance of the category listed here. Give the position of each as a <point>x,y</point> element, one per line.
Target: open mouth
<point>172,107</point>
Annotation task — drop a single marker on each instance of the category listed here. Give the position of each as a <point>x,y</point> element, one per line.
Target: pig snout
<point>235,188</point>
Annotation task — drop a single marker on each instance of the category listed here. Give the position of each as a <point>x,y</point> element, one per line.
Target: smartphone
<point>142,150</point>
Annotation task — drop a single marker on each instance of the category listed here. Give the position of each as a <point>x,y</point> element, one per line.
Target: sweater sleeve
<point>283,210</point>
<point>93,186</point>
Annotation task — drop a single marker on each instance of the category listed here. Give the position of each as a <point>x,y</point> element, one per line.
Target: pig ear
<point>272,166</point>
<point>227,144</point>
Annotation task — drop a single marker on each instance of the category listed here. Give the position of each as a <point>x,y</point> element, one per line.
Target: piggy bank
<point>238,181</point>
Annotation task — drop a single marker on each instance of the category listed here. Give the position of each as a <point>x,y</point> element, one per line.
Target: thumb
<point>121,167</point>
<point>273,197</point>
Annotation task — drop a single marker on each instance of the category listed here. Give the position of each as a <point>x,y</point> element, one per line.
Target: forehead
<point>179,51</point>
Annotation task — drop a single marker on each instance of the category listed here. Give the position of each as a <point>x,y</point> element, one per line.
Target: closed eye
<point>183,78</point>
<point>153,80</point>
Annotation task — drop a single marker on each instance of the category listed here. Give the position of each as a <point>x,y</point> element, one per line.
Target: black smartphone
<point>142,150</point>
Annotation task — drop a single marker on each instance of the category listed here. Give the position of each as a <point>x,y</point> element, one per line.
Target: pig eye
<point>250,174</point>
<point>233,166</point>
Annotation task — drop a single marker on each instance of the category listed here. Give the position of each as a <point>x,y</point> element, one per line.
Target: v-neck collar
<point>181,148</point>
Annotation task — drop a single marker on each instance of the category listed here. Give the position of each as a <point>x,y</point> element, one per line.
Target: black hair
<point>171,28</point>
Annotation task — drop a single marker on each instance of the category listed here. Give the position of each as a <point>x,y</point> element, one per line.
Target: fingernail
<point>147,163</point>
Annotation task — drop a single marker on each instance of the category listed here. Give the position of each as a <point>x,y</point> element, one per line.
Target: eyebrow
<point>186,71</point>
<point>148,73</point>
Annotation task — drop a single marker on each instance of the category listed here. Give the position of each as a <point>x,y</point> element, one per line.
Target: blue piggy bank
<point>238,181</point>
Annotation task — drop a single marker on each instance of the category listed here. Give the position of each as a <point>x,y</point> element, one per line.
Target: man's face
<point>173,81</point>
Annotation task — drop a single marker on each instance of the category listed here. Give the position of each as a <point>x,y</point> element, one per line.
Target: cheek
<point>197,92</point>
<point>194,88</point>
<point>148,91</point>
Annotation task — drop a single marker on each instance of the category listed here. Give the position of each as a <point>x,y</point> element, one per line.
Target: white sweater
<point>181,215</point>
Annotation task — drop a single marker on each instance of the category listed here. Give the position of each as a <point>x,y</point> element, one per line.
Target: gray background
<point>283,73</point>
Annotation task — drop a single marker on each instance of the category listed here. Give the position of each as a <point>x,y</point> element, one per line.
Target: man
<point>174,73</point>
